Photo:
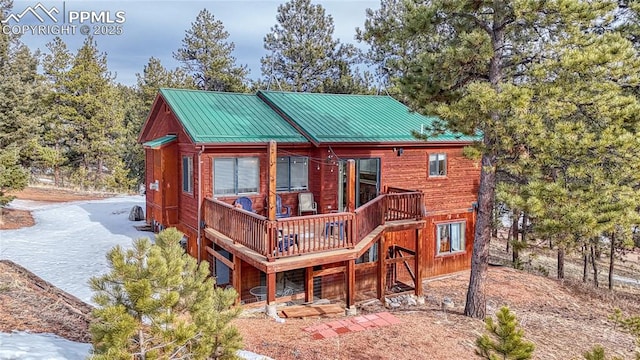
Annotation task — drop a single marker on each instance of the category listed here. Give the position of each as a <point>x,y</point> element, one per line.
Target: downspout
<point>199,225</point>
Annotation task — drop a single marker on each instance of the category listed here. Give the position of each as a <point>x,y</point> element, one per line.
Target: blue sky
<point>156,28</point>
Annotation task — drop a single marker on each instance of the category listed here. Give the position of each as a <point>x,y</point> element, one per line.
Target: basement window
<point>437,165</point>
<point>450,238</point>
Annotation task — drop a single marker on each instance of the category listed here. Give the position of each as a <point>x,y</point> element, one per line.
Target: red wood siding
<point>456,191</point>
<point>434,264</point>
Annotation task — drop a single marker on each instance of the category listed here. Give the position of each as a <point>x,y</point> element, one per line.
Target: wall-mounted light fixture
<point>400,151</point>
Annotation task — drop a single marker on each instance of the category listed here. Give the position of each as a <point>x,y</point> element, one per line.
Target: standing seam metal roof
<point>354,118</point>
<point>217,117</point>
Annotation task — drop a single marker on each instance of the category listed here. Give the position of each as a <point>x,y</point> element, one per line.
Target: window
<point>450,238</point>
<point>187,174</point>
<point>292,173</point>
<point>233,176</point>
<point>438,165</point>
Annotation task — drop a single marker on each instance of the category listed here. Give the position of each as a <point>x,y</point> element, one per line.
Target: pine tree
<point>157,302</point>
<point>523,75</point>
<point>20,93</point>
<point>12,175</point>
<point>390,52</point>
<point>55,128</point>
<point>94,109</point>
<point>302,54</point>
<point>504,339</point>
<point>597,353</point>
<point>206,55</point>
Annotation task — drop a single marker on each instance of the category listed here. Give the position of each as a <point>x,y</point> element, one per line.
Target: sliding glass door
<point>367,182</point>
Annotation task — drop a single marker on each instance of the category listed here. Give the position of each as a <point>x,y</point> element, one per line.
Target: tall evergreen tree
<point>207,56</point>
<point>56,125</point>
<point>157,302</point>
<point>302,54</point>
<point>389,57</point>
<point>20,93</point>
<point>94,110</point>
<point>499,69</point>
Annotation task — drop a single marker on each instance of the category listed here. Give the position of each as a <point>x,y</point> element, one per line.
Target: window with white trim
<point>292,173</point>
<point>450,238</point>
<point>437,164</point>
<point>233,176</point>
<point>187,174</point>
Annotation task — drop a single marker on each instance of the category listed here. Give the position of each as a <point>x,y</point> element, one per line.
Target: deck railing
<point>404,206</point>
<point>369,216</point>
<point>242,226</point>
<point>309,234</point>
<point>314,233</point>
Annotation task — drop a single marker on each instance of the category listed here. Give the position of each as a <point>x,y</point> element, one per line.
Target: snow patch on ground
<point>69,242</point>
<point>27,346</point>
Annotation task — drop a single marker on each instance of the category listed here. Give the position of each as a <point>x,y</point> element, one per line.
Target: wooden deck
<point>267,265</point>
<point>314,234</point>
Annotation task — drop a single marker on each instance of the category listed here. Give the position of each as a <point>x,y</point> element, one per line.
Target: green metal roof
<point>354,118</point>
<point>216,117</point>
<point>156,143</point>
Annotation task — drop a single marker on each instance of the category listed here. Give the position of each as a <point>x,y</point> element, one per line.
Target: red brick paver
<point>358,323</point>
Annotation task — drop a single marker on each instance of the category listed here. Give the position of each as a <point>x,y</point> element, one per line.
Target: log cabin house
<point>388,210</point>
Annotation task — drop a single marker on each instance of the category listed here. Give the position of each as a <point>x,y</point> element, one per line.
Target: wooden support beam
<point>271,288</point>
<point>330,271</point>
<point>236,281</point>
<point>351,185</point>
<point>398,260</point>
<point>220,257</point>
<point>419,254</point>
<point>271,192</point>
<point>382,268</point>
<point>351,282</point>
<point>308,288</point>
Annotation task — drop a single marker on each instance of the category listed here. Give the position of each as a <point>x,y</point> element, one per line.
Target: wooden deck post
<point>271,191</point>
<point>418,262</point>
<point>351,185</point>
<point>236,280</point>
<point>308,288</point>
<point>271,288</point>
<point>351,282</point>
<point>382,268</point>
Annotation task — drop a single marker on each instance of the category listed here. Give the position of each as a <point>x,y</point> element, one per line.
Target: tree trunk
<point>612,258</point>
<point>476,305</point>
<point>56,175</point>
<point>525,219</point>
<point>585,263</point>
<point>560,263</point>
<point>595,266</point>
<point>515,255</point>
<point>56,170</point>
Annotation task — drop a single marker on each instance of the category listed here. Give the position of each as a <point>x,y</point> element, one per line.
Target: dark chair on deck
<point>279,209</point>
<point>245,202</point>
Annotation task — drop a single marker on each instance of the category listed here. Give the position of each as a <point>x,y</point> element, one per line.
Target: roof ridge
<point>326,94</point>
<point>162,89</point>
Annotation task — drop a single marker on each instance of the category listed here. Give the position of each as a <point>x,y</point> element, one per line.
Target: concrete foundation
<point>350,311</point>
<point>271,310</point>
